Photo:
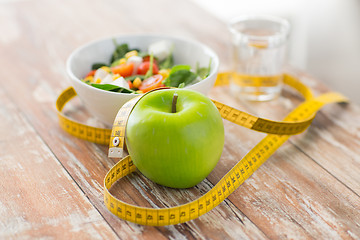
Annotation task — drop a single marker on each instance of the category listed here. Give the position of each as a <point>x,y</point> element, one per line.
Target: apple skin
<point>179,149</point>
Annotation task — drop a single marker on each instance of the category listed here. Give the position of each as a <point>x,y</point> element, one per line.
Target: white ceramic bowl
<point>104,105</point>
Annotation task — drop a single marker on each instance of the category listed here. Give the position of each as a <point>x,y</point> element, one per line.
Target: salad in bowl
<point>107,73</point>
<point>131,70</point>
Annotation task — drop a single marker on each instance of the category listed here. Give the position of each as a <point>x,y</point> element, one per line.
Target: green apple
<point>175,142</point>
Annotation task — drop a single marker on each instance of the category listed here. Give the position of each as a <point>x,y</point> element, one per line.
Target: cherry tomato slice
<point>151,83</point>
<point>130,84</point>
<point>147,59</point>
<point>144,67</point>
<point>125,69</point>
<point>91,73</point>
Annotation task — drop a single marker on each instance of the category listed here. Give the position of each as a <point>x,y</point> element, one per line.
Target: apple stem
<point>175,97</point>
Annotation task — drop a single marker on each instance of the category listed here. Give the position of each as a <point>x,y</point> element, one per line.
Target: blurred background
<point>325,35</point>
<point>324,41</point>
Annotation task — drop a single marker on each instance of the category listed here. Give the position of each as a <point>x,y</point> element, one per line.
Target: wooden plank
<point>38,197</point>
<point>334,139</point>
<point>86,162</point>
<point>292,196</point>
<point>336,132</point>
<point>42,78</point>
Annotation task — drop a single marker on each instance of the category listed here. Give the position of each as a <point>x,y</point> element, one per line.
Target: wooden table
<point>51,183</point>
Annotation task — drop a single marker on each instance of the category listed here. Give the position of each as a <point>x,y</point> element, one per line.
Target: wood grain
<point>38,197</point>
<point>307,190</point>
<point>286,192</point>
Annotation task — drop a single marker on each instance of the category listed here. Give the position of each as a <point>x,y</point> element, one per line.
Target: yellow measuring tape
<point>279,131</point>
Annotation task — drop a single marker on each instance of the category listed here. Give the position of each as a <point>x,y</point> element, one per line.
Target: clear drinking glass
<point>259,47</point>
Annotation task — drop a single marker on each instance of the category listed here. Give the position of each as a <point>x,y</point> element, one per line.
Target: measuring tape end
<point>116,152</point>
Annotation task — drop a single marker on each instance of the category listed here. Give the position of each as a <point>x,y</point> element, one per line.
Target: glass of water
<point>259,49</point>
